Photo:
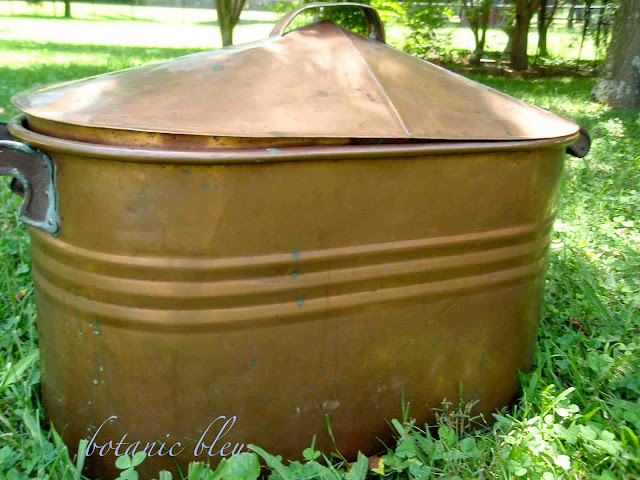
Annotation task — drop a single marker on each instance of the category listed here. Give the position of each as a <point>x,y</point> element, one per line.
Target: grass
<point>112,25</point>
<point>579,416</point>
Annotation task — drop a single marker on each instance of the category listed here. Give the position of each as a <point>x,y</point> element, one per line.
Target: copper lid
<point>317,81</point>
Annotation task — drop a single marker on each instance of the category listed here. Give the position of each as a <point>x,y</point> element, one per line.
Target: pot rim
<point>17,128</point>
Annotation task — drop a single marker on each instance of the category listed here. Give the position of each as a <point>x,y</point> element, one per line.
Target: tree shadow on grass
<point>127,17</point>
<point>98,18</point>
<point>126,52</point>
<point>214,23</point>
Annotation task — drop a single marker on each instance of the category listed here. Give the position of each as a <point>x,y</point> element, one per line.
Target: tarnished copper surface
<point>319,81</point>
<point>283,292</point>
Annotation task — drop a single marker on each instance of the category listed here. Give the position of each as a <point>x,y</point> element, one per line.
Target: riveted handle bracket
<point>34,171</point>
<point>581,146</point>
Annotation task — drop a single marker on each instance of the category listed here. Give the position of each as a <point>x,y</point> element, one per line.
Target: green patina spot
<point>217,68</point>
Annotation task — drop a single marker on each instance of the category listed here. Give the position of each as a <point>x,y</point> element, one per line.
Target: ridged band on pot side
<point>220,294</point>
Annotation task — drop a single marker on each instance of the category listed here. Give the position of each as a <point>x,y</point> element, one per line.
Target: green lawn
<point>112,25</point>
<point>579,417</point>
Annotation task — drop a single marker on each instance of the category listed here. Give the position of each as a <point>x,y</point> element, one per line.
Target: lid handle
<point>375,29</point>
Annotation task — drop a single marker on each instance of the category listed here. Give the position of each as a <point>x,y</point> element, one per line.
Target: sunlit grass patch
<point>151,26</point>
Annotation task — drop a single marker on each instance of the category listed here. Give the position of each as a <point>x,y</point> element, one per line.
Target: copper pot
<point>305,227</point>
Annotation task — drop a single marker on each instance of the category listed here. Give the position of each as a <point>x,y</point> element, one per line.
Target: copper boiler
<point>302,228</point>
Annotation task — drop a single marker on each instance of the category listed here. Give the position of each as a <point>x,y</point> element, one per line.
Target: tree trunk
<point>477,55</point>
<point>619,83</point>
<point>524,11</point>
<point>545,18</point>
<point>477,14</point>
<point>599,28</point>
<point>543,26</point>
<point>519,59</point>
<point>228,15</point>
<point>507,24</point>
<point>509,46</point>
<point>543,51</point>
<point>67,8</point>
<point>485,12</point>
<point>572,12</point>
<point>227,35</point>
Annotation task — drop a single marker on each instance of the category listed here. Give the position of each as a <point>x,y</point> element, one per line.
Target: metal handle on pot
<point>374,24</point>
<point>33,173</point>
<point>581,146</point>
